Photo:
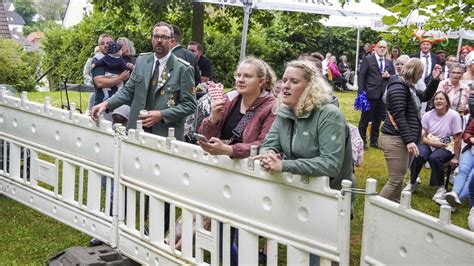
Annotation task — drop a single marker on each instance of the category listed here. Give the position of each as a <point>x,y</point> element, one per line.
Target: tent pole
<point>247,11</point>
<point>459,46</point>
<point>356,57</point>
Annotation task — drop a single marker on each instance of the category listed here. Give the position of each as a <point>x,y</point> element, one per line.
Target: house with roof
<point>4,30</point>
<point>15,21</point>
<point>75,12</point>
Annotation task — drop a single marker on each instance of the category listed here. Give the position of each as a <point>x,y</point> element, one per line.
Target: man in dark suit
<point>428,58</point>
<point>374,73</point>
<point>184,54</point>
<point>204,63</point>
<point>167,93</point>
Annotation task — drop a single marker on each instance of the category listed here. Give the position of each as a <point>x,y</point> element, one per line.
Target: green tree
<point>17,67</point>
<point>447,15</point>
<point>52,9</point>
<point>25,9</point>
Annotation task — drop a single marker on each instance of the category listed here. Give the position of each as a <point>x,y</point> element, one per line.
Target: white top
<point>163,62</point>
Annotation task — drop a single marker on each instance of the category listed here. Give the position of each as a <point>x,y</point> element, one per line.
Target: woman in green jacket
<point>310,135</point>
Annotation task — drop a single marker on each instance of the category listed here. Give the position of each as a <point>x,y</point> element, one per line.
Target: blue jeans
<point>466,170</point>
<point>436,158</point>
<point>471,193</point>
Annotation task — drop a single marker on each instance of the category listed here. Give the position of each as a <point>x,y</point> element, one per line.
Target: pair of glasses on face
<point>161,37</point>
<point>456,73</point>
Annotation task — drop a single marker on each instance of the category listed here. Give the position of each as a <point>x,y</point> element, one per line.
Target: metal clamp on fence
<point>72,110</point>
<point>24,98</point>
<point>251,162</point>
<point>47,103</point>
<point>170,137</point>
<point>358,191</point>
<point>139,128</point>
<point>3,91</point>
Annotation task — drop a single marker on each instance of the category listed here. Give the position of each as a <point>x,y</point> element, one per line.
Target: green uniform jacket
<point>174,98</point>
<point>321,143</point>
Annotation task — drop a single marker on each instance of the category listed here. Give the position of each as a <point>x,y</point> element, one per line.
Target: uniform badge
<point>162,92</point>
<point>170,102</point>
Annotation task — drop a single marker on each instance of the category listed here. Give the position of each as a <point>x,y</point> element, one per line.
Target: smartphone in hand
<point>200,137</point>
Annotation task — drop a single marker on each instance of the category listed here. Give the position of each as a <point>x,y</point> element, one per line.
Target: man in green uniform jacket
<point>167,93</point>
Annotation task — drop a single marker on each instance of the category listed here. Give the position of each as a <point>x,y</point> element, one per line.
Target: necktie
<point>381,65</point>
<point>426,65</point>
<point>153,83</point>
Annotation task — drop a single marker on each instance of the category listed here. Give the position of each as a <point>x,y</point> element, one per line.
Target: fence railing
<point>120,188</point>
<point>396,234</point>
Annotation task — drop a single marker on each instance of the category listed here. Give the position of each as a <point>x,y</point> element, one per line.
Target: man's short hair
<point>164,24</point>
<point>198,45</point>
<point>176,33</point>
<point>441,52</point>
<point>104,35</point>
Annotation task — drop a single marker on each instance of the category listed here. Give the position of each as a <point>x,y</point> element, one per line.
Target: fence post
<point>118,137</point>
<point>345,221</point>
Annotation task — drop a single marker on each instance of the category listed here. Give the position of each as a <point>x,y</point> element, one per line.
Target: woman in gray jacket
<point>310,135</point>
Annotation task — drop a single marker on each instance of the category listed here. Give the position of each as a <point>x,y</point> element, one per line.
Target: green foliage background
<point>17,67</point>
<point>276,37</point>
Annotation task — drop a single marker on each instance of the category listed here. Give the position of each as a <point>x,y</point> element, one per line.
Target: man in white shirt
<point>428,58</point>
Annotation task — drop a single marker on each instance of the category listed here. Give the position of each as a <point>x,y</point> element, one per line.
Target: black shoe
<point>375,145</point>
<point>95,242</point>
<point>262,257</point>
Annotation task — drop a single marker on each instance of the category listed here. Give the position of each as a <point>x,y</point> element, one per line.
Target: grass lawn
<point>27,237</point>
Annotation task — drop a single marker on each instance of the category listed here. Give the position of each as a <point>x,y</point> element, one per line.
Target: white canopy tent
<point>364,8</point>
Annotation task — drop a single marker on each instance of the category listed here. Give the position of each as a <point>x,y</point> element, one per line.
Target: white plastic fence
<point>66,158</point>
<point>396,234</point>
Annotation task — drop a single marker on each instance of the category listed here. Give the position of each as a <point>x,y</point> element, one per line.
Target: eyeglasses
<point>246,77</point>
<point>162,37</point>
<point>456,73</point>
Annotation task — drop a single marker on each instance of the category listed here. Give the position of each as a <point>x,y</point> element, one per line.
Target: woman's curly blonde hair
<point>317,92</point>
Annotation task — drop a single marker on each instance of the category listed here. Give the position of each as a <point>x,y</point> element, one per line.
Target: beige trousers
<point>398,161</point>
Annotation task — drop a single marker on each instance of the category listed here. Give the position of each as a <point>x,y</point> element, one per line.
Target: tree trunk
<point>198,23</point>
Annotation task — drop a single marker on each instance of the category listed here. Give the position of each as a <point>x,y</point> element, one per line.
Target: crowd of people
<point>295,121</point>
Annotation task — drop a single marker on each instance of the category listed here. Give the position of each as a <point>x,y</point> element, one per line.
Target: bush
<point>17,67</point>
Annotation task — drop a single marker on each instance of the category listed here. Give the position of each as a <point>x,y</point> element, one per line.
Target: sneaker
<point>418,180</point>
<point>453,199</point>
<point>262,257</point>
<point>441,202</point>
<point>470,219</point>
<point>350,87</point>
<point>440,193</point>
<point>412,187</point>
